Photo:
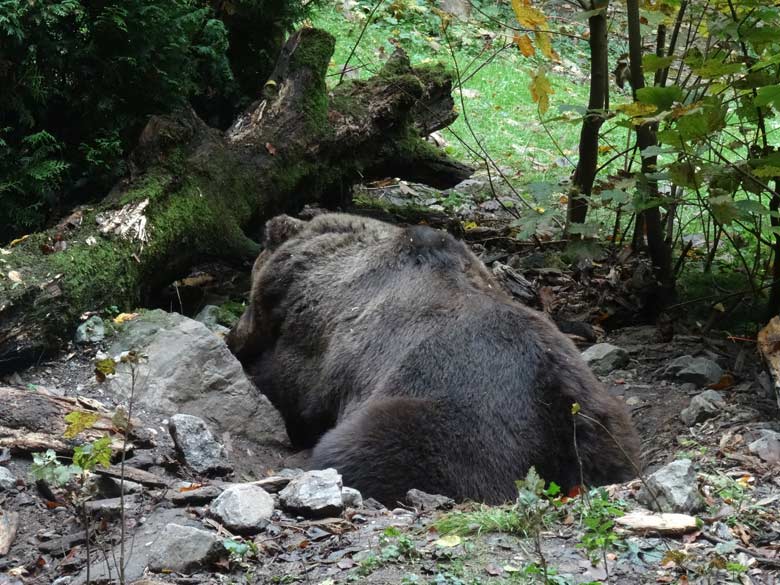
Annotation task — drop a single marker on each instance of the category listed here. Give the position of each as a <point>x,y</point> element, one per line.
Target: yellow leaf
<point>636,109</point>
<point>523,43</point>
<point>18,240</point>
<point>470,225</point>
<point>545,46</point>
<point>528,16</point>
<point>448,541</point>
<point>604,148</point>
<point>15,276</point>
<point>122,317</point>
<point>540,90</point>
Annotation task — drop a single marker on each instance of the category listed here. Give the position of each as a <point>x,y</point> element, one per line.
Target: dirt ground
<point>402,546</point>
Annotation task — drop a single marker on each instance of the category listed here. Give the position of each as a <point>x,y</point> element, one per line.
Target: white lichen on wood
<point>128,222</point>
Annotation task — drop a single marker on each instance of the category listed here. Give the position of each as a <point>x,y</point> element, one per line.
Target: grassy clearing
<point>495,97</point>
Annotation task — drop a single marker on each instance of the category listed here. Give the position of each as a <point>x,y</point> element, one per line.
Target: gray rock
<point>190,370</point>
<point>201,495</point>
<point>704,406</point>
<point>184,549</point>
<point>605,357</point>
<point>315,494</point>
<point>423,501</point>
<point>110,508</point>
<point>197,446</point>
<point>143,536</point>
<point>767,446</point>
<point>675,488</point>
<point>209,316</point>
<point>111,487</point>
<point>677,364</point>
<point>351,497</point>
<point>90,331</point>
<point>700,371</point>
<point>243,508</point>
<point>7,479</point>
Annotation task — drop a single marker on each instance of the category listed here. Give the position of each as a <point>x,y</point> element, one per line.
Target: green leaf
<point>79,421</point>
<point>683,174</point>
<point>751,206</point>
<point>652,63</point>
<point>89,456</point>
<point>769,94</point>
<point>767,171</point>
<point>616,196</point>
<point>661,97</point>
<point>715,67</point>
<point>724,209</point>
<point>652,151</point>
<point>235,548</point>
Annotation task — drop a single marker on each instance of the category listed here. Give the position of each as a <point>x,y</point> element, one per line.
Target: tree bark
<point>193,191</point>
<point>649,219</point>
<point>585,174</point>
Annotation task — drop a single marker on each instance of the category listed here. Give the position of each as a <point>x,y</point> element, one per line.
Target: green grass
<point>484,519</point>
<point>497,100</point>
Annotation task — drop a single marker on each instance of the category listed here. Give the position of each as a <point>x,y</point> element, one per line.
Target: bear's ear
<point>280,229</point>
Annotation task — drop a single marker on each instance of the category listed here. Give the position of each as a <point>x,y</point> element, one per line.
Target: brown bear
<point>396,355</point>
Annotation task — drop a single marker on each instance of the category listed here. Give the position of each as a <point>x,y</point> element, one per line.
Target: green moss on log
<point>314,55</point>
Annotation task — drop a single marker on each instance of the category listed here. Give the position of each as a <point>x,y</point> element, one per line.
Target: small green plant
<point>368,565</point>
<point>46,467</point>
<point>396,546</point>
<point>598,513</point>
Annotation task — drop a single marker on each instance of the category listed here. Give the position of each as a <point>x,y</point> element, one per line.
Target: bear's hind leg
<point>394,444</point>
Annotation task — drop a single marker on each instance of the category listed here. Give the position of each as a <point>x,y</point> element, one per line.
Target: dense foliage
<point>78,79</point>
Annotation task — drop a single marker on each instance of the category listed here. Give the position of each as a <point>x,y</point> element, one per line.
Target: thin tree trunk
<point>585,174</point>
<point>659,251</point>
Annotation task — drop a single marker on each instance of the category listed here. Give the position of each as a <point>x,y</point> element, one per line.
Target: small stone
<point>605,357</point>
<point>90,331</point>
<point>702,407</point>
<point>243,508</point>
<point>184,549</point>
<point>7,479</point>
<point>315,494</point>
<point>767,446</point>
<point>675,489</point>
<point>110,507</point>
<point>351,497</point>
<point>722,531</point>
<point>700,371</point>
<point>197,445</point>
<point>193,497</point>
<point>423,501</point>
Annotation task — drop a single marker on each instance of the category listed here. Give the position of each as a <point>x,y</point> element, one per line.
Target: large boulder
<point>190,370</point>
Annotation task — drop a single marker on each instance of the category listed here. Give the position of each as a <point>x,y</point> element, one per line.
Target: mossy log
<point>194,192</point>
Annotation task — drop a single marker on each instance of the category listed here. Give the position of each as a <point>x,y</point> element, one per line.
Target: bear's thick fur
<point>394,353</point>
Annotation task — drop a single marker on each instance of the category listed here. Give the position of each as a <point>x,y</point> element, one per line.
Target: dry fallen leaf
<point>448,541</point>
<point>14,276</point>
<point>123,317</point>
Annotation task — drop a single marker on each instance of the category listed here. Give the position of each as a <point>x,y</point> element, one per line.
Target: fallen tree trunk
<point>193,191</point>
